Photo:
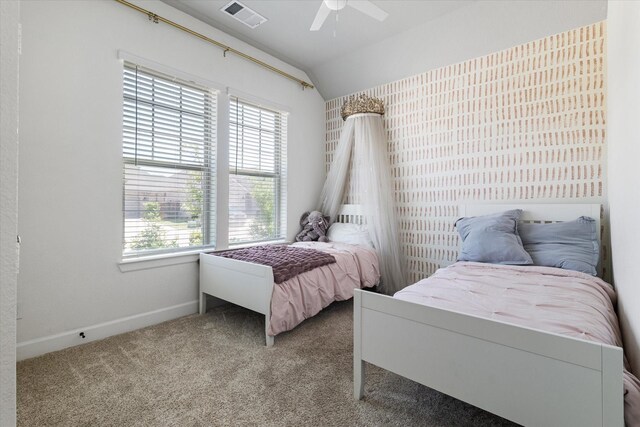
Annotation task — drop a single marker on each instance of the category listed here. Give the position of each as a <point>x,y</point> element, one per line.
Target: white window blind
<point>257,173</point>
<point>169,163</point>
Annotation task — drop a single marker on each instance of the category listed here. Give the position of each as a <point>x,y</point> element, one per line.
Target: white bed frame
<point>528,376</point>
<point>247,284</point>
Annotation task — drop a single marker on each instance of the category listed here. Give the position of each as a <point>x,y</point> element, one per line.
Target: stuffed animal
<point>314,227</point>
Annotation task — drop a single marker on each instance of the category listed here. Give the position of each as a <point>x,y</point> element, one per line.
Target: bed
<point>287,304</point>
<point>524,374</point>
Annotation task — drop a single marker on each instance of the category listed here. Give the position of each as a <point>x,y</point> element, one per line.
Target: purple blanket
<point>286,261</point>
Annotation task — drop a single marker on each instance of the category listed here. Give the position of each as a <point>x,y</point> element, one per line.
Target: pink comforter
<point>550,299</point>
<point>303,296</point>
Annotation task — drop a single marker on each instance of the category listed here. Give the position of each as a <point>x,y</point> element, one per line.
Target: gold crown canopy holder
<point>361,104</point>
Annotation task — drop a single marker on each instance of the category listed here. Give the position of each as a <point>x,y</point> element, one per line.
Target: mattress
<point>304,295</point>
<point>544,298</point>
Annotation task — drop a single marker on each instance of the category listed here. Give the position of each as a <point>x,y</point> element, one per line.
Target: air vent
<point>242,13</point>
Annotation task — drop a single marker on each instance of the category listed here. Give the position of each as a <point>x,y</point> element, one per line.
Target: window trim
<point>176,258</point>
<point>224,94</point>
<point>257,101</point>
<point>280,176</point>
<point>157,67</point>
<point>210,147</point>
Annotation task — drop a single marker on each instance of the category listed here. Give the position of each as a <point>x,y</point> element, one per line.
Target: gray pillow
<point>493,239</point>
<point>572,245</point>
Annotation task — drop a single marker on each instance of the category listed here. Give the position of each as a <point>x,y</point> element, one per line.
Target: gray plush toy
<point>314,227</point>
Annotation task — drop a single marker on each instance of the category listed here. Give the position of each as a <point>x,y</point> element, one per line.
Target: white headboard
<point>540,213</point>
<point>537,212</point>
<point>350,214</point>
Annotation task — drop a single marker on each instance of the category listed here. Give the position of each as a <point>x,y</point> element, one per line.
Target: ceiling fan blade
<point>322,14</point>
<point>368,8</point>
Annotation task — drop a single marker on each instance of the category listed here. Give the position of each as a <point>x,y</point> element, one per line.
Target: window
<point>257,173</point>
<point>169,163</point>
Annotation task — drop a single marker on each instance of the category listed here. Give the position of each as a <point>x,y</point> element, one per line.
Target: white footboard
<point>528,376</point>
<point>242,283</point>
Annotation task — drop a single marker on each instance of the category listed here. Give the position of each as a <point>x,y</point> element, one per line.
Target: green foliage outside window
<point>153,236</point>
<point>264,225</point>
<point>152,211</point>
<point>195,238</point>
<point>193,205</point>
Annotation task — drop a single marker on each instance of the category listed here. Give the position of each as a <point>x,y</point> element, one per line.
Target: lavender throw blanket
<point>286,261</point>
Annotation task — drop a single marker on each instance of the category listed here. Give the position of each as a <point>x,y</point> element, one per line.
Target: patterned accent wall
<point>526,123</point>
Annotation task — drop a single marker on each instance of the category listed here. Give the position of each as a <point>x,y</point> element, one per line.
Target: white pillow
<point>353,234</point>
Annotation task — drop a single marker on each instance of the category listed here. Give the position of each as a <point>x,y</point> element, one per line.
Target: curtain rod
<point>155,18</point>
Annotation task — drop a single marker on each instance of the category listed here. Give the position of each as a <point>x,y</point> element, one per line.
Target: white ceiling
<point>286,34</point>
<point>418,35</point>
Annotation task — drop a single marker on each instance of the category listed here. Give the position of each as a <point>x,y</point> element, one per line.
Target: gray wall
<point>9,19</point>
<point>624,157</point>
<point>71,161</point>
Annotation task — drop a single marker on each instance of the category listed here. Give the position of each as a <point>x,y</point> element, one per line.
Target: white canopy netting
<point>361,163</point>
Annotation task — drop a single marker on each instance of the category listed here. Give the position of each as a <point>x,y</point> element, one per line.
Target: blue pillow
<point>493,239</point>
<point>572,245</point>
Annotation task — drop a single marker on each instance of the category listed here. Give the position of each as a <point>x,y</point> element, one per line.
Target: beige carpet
<point>214,370</point>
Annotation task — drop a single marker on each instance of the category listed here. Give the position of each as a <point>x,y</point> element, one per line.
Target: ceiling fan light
<point>335,4</point>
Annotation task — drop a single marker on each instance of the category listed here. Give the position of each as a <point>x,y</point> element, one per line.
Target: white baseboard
<point>40,346</point>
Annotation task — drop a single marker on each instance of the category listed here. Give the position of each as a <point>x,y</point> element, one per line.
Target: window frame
<point>220,226</point>
<point>280,166</point>
<point>208,170</point>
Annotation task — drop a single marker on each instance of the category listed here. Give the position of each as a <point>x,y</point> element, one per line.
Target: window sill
<point>156,261</point>
<point>165,260</point>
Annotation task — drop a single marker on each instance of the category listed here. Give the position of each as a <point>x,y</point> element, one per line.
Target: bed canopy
<point>361,167</point>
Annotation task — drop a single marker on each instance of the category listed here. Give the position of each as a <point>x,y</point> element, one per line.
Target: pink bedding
<point>303,296</point>
<point>550,299</point>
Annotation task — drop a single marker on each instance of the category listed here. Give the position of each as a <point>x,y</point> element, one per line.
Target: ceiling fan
<point>364,6</point>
